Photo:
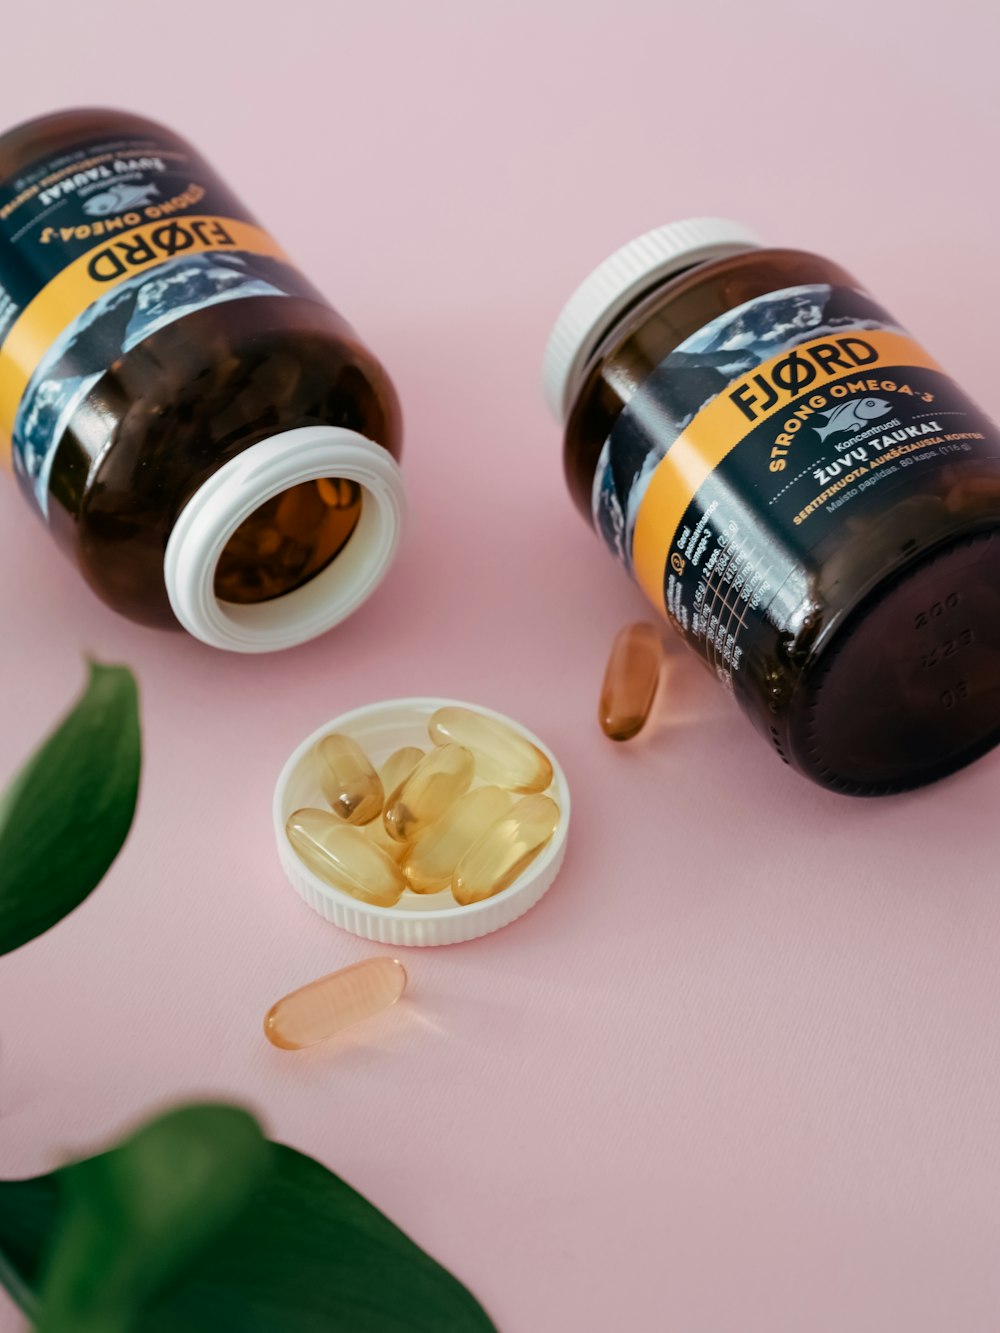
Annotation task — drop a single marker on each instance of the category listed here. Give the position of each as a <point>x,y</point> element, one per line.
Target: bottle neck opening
<point>285,540</point>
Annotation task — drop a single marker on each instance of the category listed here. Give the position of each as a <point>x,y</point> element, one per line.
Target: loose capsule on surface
<point>442,776</point>
<point>631,678</point>
<point>502,755</point>
<point>328,1005</point>
<point>348,780</point>
<point>344,857</point>
<point>430,862</point>
<point>496,859</point>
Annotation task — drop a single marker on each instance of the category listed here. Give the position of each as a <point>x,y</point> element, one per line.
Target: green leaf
<point>28,1213</point>
<point>131,1219</point>
<point>306,1254</point>
<point>65,816</point>
<point>312,1256</point>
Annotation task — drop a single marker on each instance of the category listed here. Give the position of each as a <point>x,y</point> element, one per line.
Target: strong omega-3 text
<point>790,478</point>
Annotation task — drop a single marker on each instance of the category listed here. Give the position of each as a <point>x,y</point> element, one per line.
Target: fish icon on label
<point>118,199</point>
<point>852,415</point>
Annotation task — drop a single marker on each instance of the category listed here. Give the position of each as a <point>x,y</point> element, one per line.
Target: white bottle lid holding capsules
<point>427,918</point>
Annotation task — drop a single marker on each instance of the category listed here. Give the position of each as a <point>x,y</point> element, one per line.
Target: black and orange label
<point>746,449</point>
<point>100,247</point>
<point>86,281</point>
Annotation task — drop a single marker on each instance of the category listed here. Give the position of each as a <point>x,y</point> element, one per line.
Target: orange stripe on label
<point>722,424</point>
<point>100,270</point>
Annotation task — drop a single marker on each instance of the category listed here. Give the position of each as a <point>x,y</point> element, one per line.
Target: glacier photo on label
<point>112,326</point>
<point>697,371</point>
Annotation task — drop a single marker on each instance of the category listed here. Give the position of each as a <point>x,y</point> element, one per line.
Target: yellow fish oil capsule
<point>334,1002</point>
<point>377,834</point>
<point>442,776</point>
<point>430,861</point>
<point>348,780</point>
<point>631,678</point>
<point>338,493</point>
<point>344,857</point>
<point>398,766</point>
<point>495,861</point>
<point>502,755</point>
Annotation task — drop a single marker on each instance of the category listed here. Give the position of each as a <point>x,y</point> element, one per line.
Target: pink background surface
<point>740,1070</point>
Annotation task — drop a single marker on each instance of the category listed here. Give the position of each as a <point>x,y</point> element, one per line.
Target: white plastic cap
<point>417,919</point>
<point>241,486</point>
<point>601,298</point>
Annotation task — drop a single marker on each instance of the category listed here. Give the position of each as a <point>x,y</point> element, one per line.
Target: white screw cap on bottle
<point>613,286</point>
<point>240,487</point>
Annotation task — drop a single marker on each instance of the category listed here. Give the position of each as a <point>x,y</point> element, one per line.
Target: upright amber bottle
<point>800,489</point>
<point>203,433</point>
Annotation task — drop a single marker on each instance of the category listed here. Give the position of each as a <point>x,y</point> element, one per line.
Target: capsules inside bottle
<point>287,541</point>
<point>180,416</point>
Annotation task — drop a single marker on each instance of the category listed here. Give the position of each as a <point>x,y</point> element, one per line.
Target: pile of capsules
<point>465,817</point>
<point>288,539</point>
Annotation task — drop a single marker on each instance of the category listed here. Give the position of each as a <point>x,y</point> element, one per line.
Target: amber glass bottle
<point>207,438</point>
<point>802,491</point>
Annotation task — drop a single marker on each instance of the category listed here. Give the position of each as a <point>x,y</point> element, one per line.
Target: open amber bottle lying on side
<point>207,438</point>
<point>800,489</point>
